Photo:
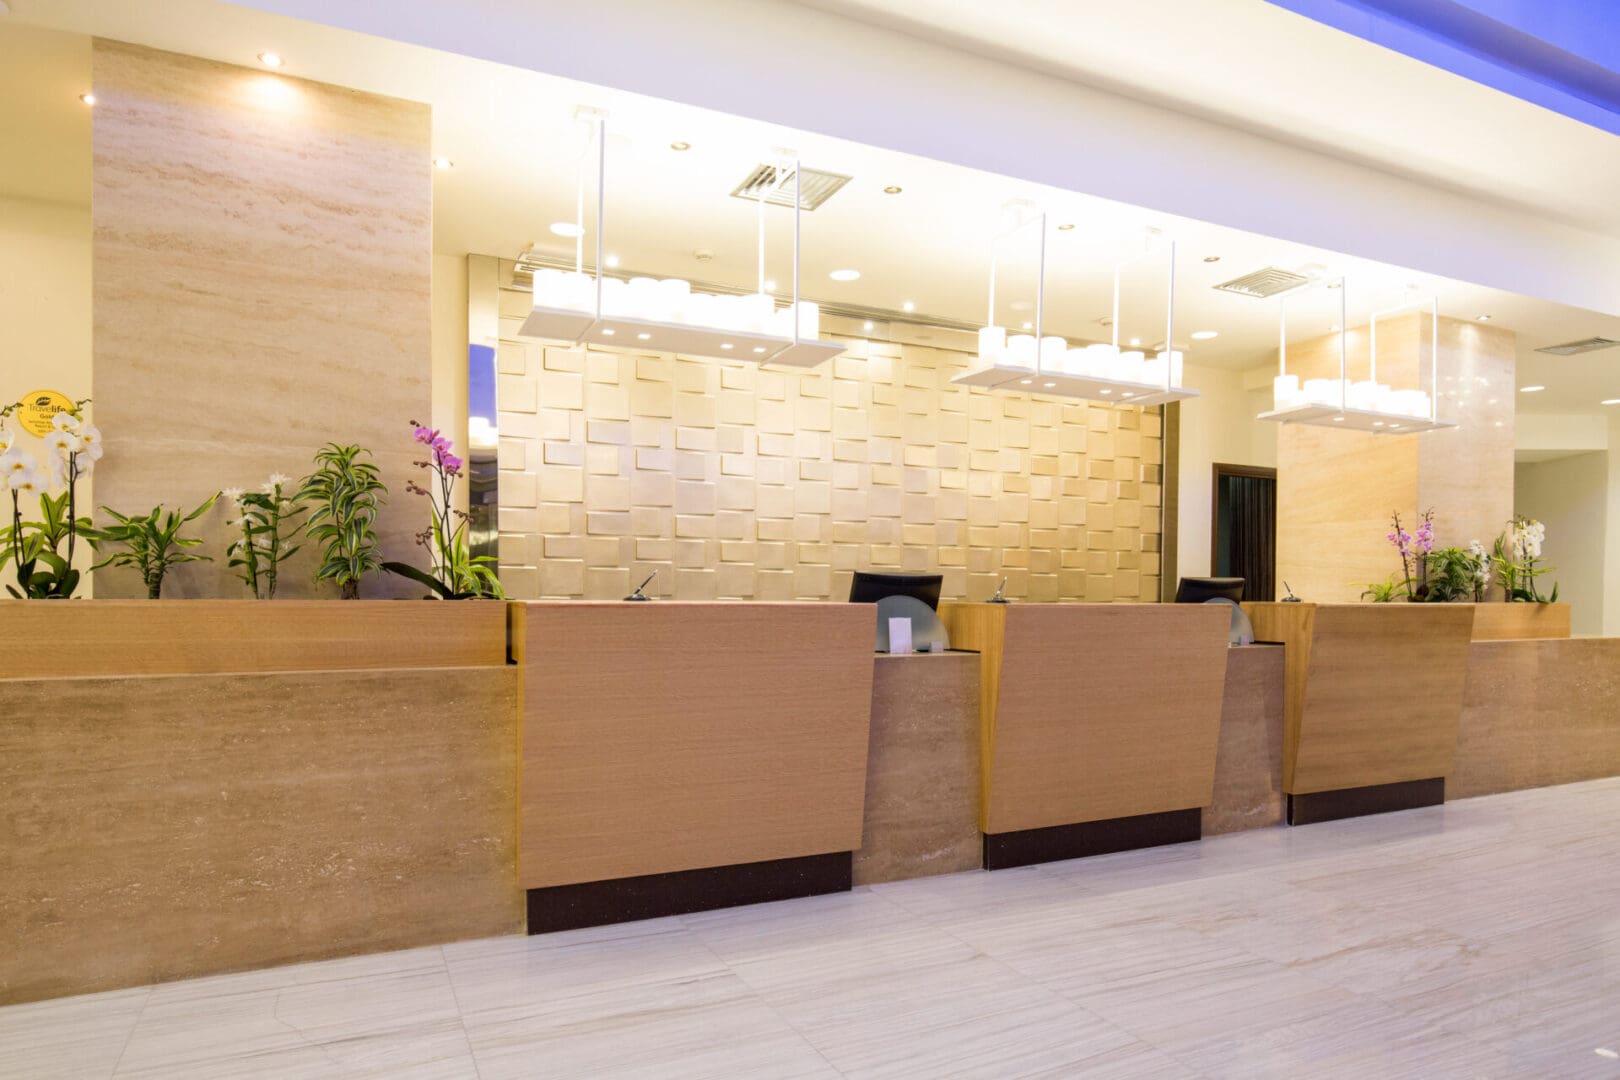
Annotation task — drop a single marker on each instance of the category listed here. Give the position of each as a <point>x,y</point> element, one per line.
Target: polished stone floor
<point>1478,939</point>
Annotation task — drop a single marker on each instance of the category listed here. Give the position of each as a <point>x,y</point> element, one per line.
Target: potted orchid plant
<point>453,572</point>
<point>42,551</point>
<point>266,521</point>
<point>1515,557</point>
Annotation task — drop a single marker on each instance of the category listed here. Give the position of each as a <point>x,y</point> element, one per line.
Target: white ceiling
<point>516,147</point>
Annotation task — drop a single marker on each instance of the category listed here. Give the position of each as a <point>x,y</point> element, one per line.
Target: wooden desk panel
<point>1094,711</point>
<point>1372,692</point>
<point>208,637</point>
<point>1513,622</point>
<point>674,736</point>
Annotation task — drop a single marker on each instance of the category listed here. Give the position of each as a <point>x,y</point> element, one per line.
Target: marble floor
<point>1477,939</point>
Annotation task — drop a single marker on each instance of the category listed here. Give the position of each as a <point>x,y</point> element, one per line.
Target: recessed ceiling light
<point>1212,258</point>
<point>1127,394</point>
<point>1378,423</point>
<point>1049,385</point>
<point>759,348</point>
<point>1531,389</point>
<point>566,228</point>
<point>892,189</point>
<point>680,146</point>
<point>1205,335</point>
<point>1605,1052</point>
<point>908,306</point>
<point>608,331</point>
<point>1065,227</point>
<point>1484,318</point>
<point>1136,341</point>
<point>867,326</point>
<point>845,275</point>
<point>443,164</point>
<point>1105,392</point>
<point>611,261</point>
<point>88,99</point>
<point>1338,419</point>
<point>270,59</point>
<point>1025,382</point>
<point>643,336</point>
<point>725,345</point>
<point>1611,401</point>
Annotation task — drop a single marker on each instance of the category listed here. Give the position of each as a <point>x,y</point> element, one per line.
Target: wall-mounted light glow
<point>1029,326</point>
<point>611,261</point>
<point>1205,335</point>
<point>1484,318</point>
<point>88,99</point>
<point>271,60</point>
<point>1531,389</point>
<point>845,275</point>
<point>770,285</point>
<point>443,164</point>
<point>1136,341</point>
<point>908,306</point>
<point>868,326</point>
<point>566,228</point>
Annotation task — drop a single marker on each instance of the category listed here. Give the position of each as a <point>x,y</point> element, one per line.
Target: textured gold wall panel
<point>739,482</point>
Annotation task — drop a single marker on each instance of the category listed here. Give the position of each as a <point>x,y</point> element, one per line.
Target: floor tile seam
<point>461,1015</point>
<point>762,1000</point>
<point>129,1037</point>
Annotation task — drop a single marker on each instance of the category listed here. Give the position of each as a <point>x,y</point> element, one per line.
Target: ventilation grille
<point>1264,283</point>
<point>777,186</point>
<point>1572,348</point>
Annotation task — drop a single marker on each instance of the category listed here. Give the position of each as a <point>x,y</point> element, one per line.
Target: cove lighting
<point>566,228</point>
<point>1531,389</point>
<point>1205,335</point>
<point>845,275</point>
<point>270,59</point>
<point>88,99</point>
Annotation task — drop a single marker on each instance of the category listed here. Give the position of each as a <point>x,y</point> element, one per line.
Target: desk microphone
<point>638,594</point>
<point>1290,598</point>
<point>998,598</point>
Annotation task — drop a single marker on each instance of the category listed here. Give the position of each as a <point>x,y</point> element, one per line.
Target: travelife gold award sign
<point>38,408</point>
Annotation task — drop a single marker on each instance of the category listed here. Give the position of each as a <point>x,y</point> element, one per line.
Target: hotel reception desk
<point>544,765</point>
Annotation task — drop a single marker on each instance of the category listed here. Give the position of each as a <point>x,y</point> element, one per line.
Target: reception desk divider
<point>1372,698</point>
<point>1098,723</point>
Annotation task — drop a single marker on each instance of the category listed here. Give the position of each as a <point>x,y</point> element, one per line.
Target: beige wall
<point>1337,489</point>
<point>1217,426</point>
<point>740,482</point>
<point>450,353</point>
<point>262,286</point>
<point>1570,496</point>
<point>45,310</point>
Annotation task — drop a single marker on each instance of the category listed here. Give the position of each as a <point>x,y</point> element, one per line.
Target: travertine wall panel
<point>1336,489</point>
<point>262,271</point>
<point>737,482</point>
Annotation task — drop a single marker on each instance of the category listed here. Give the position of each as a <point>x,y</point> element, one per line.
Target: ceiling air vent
<point>1573,348</point>
<point>776,184</point>
<point>1264,283</point>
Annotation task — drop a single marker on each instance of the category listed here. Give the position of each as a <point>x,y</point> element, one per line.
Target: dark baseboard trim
<point>597,903</point>
<point>1318,806</point>
<point>1003,851</point>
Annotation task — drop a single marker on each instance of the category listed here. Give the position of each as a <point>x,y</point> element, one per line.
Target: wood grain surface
<point>1372,692</point>
<point>673,736</point>
<point>1096,711</point>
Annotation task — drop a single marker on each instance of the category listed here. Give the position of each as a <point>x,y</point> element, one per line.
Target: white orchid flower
<point>65,421</point>
<point>232,495</point>
<point>93,451</point>
<point>276,480</point>
<point>26,482</point>
<point>90,435</point>
<point>14,461</point>
<point>6,439</point>
<point>63,442</point>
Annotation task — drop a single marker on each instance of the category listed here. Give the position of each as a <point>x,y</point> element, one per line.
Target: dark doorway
<point>1243,536</point>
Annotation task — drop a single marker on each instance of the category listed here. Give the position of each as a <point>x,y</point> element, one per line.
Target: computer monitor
<point>869,588</point>
<point>1197,590</point>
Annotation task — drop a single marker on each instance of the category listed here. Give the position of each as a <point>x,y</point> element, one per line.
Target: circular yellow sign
<point>38,407</point>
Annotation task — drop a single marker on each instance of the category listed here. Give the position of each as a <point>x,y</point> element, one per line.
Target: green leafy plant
<point>345,494</point>
<point>258,553</point>
<point>42,551</point>
<point>1382,592</point>
<point>151,543</point>
<point>455,573</point>
<point>1452,574</point>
